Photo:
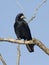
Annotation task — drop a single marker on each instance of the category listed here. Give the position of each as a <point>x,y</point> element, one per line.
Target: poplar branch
<point>33,41</point>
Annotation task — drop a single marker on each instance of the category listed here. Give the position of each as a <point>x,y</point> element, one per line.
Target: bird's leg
<point>23,40</point>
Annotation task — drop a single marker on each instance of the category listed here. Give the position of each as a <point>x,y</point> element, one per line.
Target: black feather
<point>22,31</point>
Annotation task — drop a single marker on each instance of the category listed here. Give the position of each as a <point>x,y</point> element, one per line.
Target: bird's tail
<point>30,47</point>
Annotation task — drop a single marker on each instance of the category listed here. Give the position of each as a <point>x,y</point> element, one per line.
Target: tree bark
<point>33,41</point>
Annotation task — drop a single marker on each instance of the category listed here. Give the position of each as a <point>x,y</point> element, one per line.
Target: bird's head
<point>20,16</point>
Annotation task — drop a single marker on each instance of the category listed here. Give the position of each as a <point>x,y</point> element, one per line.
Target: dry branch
<point>36,10</point>
<point>1,58</point>
<point>18,55</point>
<point>33,41</point>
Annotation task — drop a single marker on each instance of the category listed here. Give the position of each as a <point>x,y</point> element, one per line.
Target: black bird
<point>22,30</point>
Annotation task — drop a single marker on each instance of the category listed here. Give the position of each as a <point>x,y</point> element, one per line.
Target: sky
<point>39,29</point>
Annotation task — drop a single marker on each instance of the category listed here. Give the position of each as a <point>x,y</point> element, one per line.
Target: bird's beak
<point>23,17</point>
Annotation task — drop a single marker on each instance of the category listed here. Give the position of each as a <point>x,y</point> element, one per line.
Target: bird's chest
<point>20,30</point>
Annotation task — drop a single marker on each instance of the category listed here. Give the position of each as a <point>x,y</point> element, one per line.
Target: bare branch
<point>18,57</point>
<point>36,10</point>
<point>1,58</point>
<point>33,41</point>
<point>21,7</point>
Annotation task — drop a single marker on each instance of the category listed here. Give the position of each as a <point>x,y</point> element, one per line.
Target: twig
<point>33,41</point>
<point>18,53</point>
<point>36,10</point>
<point>21,7</point>
<point>1,58</point>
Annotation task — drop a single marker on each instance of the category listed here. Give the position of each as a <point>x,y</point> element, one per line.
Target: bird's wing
<point>27,35</point>
<point>26,30</point>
